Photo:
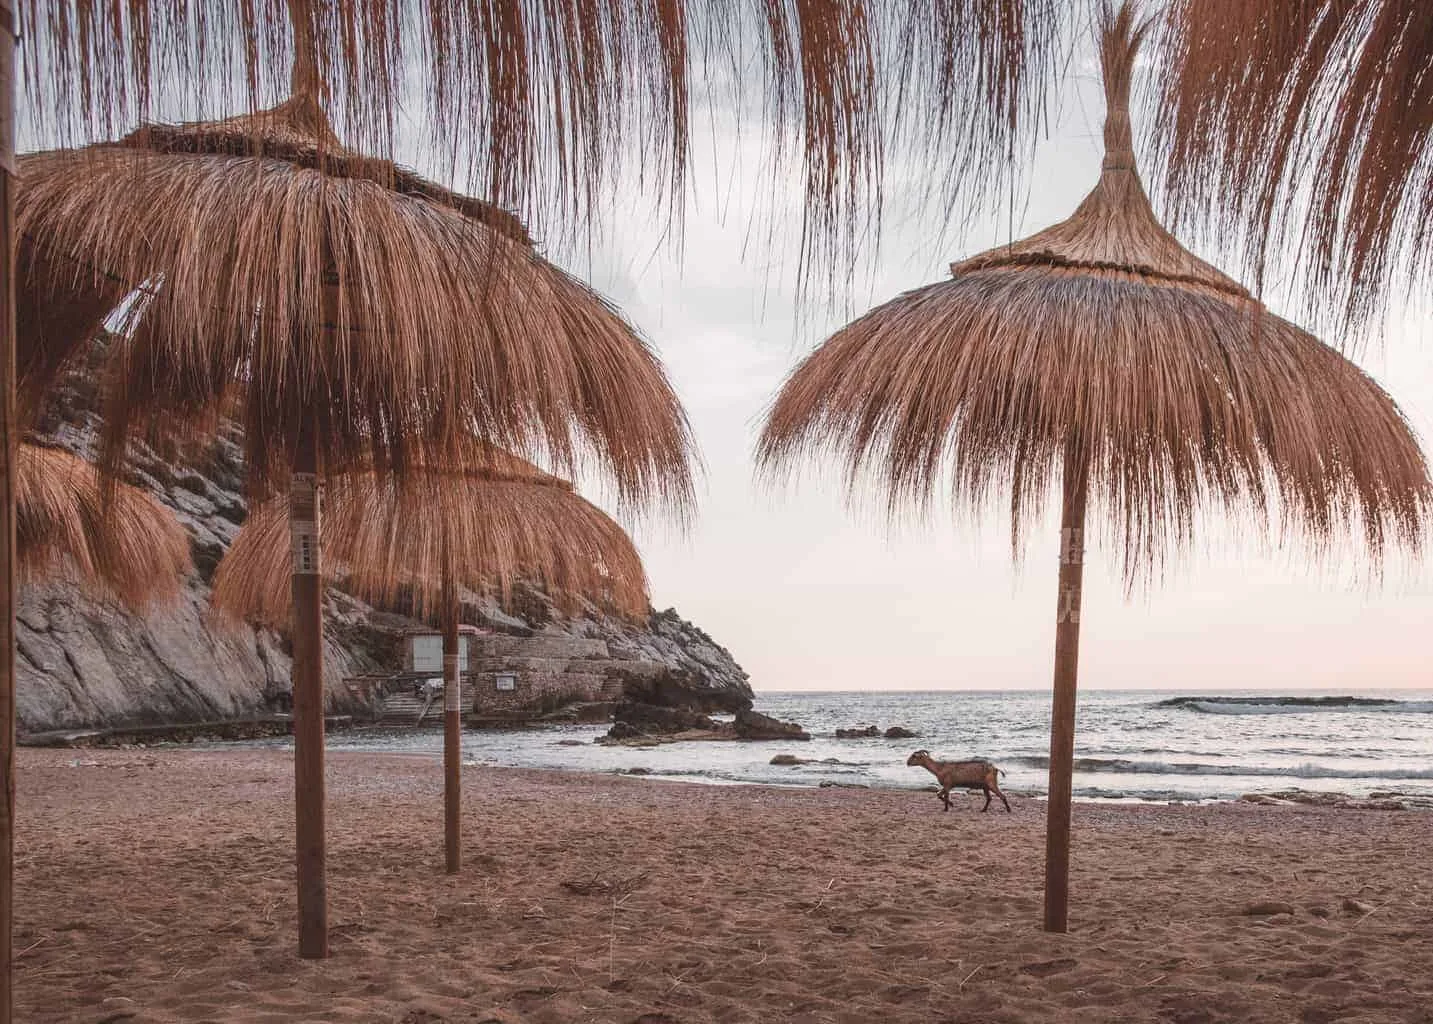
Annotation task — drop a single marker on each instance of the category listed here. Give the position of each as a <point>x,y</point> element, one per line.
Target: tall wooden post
<point>1062,715</point>
<point>452,728</point>
<point>7,502</point>
<point>309,843</point>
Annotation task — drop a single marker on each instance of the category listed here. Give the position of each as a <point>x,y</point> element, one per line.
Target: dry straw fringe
<point>484,531</point>
<point>126,546</point>
<point>544,107</point>
<point>1103,340</point>
<point>328,294</point>
<point>1307,130</point>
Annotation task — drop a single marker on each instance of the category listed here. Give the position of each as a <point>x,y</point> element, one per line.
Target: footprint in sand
<point>1045,968</point>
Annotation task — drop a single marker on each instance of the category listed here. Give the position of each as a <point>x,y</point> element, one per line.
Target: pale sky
<point>808,595</point>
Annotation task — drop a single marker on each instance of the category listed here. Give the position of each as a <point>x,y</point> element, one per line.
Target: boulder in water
<point>632,718</point>
<point>752,725</point>
<point>859,733</point>
<point>900,732</point>
<point>789,759</point>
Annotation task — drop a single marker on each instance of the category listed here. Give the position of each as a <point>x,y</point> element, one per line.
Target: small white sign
<point>507,682</point>
<point>304,540</point>
<point>453,696</point>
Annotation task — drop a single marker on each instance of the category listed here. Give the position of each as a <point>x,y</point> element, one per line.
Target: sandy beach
<point>157,885</point>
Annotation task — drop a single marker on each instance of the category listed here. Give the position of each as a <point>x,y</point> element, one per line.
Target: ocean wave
<point>1293,705</point>
<point>1303,771</point>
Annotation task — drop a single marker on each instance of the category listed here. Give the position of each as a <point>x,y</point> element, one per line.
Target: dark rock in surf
<point>630,717</point>
<point>898,732</point>
<point>752,725</point>
<point>859,733</point>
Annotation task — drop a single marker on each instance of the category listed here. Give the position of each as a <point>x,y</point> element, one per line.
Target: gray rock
<point>752,725</point>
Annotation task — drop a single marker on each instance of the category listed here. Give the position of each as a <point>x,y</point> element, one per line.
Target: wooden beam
<point>1062,713</point>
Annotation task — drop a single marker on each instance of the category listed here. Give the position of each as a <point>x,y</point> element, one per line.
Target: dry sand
<point>158,886</point>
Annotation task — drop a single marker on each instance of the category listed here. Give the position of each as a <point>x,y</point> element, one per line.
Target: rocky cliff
<point>84,663</point>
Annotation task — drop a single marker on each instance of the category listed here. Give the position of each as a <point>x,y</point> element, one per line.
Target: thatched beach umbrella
<point>1102,349</point>
<point>481,528</point>
<point>361,316</point>
<point>545,100</point>
<point>124,545</point>
<point>1308,126</point>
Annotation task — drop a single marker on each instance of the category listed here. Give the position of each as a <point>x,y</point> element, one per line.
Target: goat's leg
<point>1003,800</point>
<point>987,800</point>
<point>945,795</point>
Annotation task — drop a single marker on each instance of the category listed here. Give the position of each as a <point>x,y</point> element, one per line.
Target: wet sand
<point>157,885</point>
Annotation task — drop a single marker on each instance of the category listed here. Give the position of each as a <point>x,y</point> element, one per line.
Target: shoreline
<point>158,884</point>
<point>207,737</point>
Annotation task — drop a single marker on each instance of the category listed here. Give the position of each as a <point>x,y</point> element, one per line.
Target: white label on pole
<point>304,524</point>
<point>304,540</point>
<point>453,694</point>
<point>1072,545</point>
<point>1069,609</point>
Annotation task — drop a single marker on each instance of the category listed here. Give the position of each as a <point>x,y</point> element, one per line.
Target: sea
<point>1129,746</point>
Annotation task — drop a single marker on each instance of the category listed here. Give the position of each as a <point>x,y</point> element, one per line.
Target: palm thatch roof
<point>484,529</point>
<point>1103,338</point>
<point>545,104</point>
<point>124,544</point>
<point>1308,127</point>
<point>337,296</point>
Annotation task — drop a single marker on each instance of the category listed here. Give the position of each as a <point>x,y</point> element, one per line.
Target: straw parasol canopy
<point>360,317</point>
<point>128,547</point>
<point>348,300</point>
<point>1308,126</point>
<point>546,105</point>
<point>483,529</point>
<point>1102,349</point>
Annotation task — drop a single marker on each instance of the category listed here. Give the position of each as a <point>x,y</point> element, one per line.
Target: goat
<point>961,774</point>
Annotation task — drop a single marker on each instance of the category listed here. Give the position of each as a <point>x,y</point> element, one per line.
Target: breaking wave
<point>1294,705</point>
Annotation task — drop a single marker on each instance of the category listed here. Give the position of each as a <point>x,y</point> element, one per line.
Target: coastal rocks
<point>752,725</point>
<point>672,687</point>
<point>653,719</point>
<point>644,724</point>
<point>789,760</point>
<point>873,732</point>
<point>83,664</point>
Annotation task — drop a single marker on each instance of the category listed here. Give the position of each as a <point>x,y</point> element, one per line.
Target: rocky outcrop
<point>83,663</point>
<point>643,724</point>
<point>752,725</point>
<point>631,719</point>
<point>873,732</point>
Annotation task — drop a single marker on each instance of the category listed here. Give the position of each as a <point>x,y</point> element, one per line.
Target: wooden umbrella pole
<point>452,725</point>
<point>1062,715</point>
<point>7,502</point>
<point>311,855</point>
